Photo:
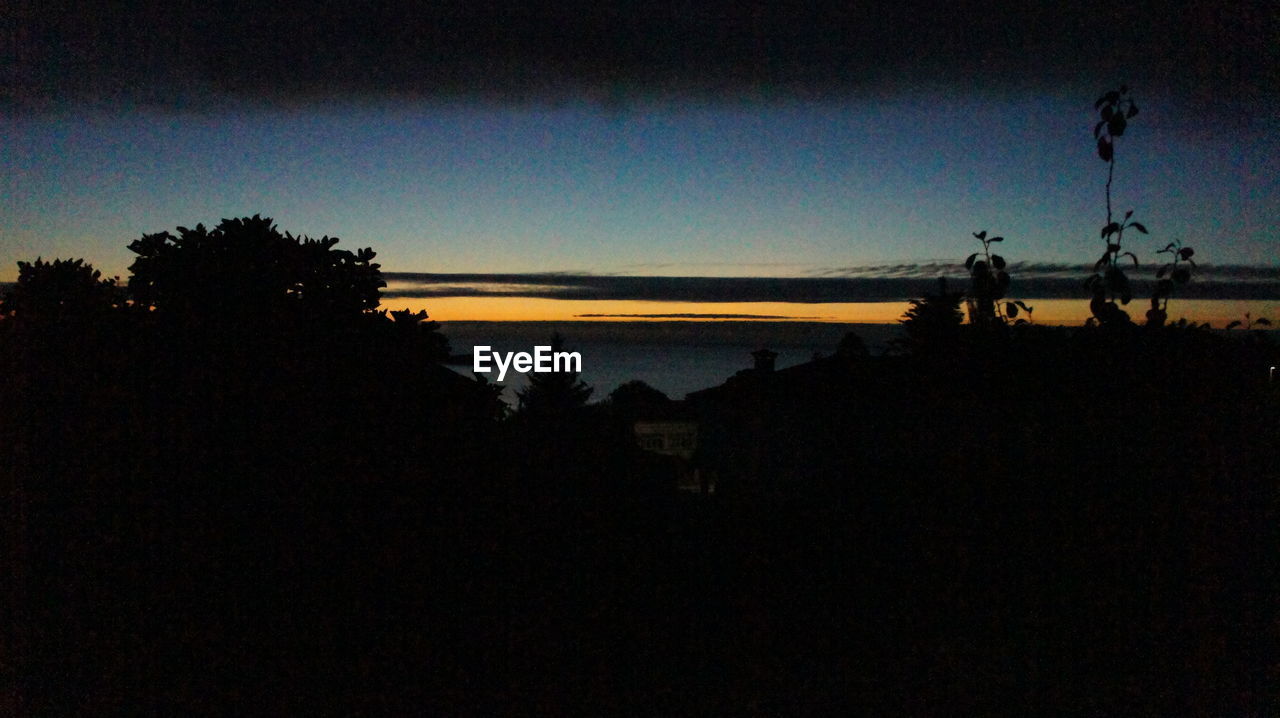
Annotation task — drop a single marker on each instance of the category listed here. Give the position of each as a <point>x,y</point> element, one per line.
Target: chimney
<point>764,360</point>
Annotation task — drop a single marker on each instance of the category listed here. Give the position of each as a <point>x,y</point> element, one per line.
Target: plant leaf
<point>1138,226</point>
<point>1116,279</point>
<point>997,261</point>
<point>968,262</point>
<point>1131,255</point>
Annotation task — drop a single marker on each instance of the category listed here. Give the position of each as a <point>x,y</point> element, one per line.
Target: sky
<point>688,140</point>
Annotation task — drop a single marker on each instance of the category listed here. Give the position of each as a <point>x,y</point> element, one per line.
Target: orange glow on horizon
<point>1218,312</point>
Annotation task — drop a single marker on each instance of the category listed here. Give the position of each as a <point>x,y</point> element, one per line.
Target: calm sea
<point>674,357</point>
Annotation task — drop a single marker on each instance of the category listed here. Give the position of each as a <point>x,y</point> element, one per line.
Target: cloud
<point>187,55</point>
<point>882,283</point>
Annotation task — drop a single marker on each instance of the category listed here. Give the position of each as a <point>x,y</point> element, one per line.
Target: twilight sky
<point>733,144</point>
<point>715,189</point>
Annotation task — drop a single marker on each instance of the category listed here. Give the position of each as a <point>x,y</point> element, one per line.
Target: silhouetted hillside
<point>300,510</point>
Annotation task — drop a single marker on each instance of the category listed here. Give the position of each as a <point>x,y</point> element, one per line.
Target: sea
<point>674,357</point>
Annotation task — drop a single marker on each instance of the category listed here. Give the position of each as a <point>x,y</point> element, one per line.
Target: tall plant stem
<point>1111,168</point>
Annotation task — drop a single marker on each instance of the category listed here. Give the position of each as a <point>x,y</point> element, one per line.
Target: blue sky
<point>694,188</point>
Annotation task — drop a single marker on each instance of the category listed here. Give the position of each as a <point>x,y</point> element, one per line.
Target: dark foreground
<point>1037,523</point>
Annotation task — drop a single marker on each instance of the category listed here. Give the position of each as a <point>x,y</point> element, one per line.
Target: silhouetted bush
<point>50,293</point>
<point>246,268</point>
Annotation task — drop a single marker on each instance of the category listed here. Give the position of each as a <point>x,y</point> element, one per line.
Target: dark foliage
<point>1169,277</point>
<point>246,268</point>
<point>932,323</point>
<point>553,394</point>
<point>1109,284</point>
<point>635,398</point>
<point>989,285</point>
<point>988,282</point>
<point>61,291</point>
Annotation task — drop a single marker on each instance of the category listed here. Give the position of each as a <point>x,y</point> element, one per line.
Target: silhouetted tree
<point>933,322</point>
<point>419,335</point>
<point>59,290</point>
<point>500,409</point>
<point>553,393</point>
<point>246,267</point>
<point>634,398</point>
<point>637,392</point>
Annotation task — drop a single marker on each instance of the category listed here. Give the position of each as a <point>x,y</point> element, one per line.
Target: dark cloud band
<point>186,54</point>
<point>1030,281</point>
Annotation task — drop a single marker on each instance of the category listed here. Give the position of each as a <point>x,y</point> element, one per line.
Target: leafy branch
<point>1168,277</point>
<point>1109,282</point>
<point>1116,109</point>
<point>989,284</point>
<point>1249,323</point>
